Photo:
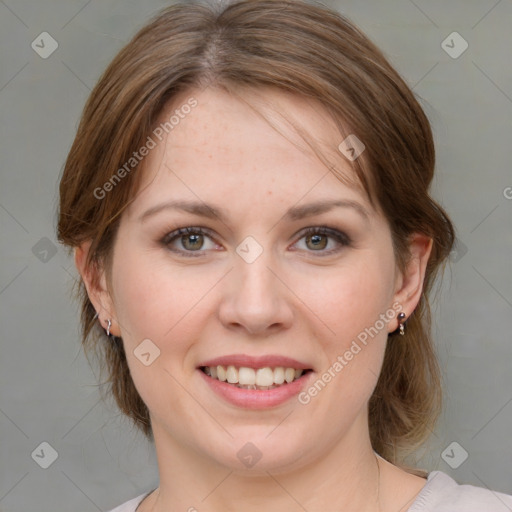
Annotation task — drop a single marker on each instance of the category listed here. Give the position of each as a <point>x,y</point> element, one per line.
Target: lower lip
<point>255,398</point>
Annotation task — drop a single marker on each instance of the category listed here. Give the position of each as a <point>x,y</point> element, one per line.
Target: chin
<point>256,452</point>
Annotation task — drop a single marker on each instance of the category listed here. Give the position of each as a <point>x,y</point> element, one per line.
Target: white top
<point>441,493</point>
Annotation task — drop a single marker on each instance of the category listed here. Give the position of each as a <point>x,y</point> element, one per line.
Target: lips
<point>272,361</point>
<point>255,382</point>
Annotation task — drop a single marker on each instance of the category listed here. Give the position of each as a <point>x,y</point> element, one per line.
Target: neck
<point>346,477</point>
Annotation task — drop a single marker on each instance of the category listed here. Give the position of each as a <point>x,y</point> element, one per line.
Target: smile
<point>254,378</point>
<point>255,382</point>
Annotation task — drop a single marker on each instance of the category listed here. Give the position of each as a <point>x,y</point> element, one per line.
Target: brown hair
<point>300,48</point>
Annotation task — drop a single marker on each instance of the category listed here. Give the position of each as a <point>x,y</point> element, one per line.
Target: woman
<point>248,201</point>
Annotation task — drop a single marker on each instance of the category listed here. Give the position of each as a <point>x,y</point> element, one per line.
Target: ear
<point>96,285</point>
<point>409,284</point>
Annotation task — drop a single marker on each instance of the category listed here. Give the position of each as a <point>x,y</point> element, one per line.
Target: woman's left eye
<point>318,238</point>
<point>192,240</point>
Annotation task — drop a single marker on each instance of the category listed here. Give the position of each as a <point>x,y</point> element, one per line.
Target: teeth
<point>221,373</point>
<point>246,377</point>
<point>264,377</point>
<point>279,375</point>
<point>249,378</point>
<point>232,375</point>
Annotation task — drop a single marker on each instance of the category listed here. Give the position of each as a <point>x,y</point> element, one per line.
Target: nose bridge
<point>254,282</point>
<point>257,298</point>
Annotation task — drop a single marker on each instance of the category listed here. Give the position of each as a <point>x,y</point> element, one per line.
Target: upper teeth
<point>251,377</point>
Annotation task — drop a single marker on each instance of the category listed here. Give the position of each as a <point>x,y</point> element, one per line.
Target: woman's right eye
<point>190,239</point>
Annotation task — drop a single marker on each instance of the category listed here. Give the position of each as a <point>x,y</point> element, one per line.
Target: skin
<point>290,301</point>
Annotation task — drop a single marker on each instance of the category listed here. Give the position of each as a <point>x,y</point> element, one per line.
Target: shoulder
<point>443,494</point>
<point>130,505</point>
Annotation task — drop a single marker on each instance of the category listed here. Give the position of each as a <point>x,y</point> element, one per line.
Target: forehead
<point>246,143</point>
<point>245,111</point>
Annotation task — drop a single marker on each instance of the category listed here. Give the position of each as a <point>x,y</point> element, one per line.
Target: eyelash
<point>343,239</point>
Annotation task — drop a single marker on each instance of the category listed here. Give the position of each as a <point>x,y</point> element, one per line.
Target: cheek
<point>152,304</point>
<point>349,299</point>
<point>167,305</point>
<point>149,299</point>
<point>351,334</point>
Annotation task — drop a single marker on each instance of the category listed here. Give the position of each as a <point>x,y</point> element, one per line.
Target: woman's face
<point>248,287</point>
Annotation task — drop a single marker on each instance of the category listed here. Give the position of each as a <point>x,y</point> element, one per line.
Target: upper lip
<point>247,361</point>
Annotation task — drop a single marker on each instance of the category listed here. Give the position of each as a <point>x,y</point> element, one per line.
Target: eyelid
<point>175,234</point>
<point>341,238</point>
<point>326,230</point>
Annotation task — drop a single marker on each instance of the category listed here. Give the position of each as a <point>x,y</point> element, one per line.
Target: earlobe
<point>95,283</point>
<point>410,283</point>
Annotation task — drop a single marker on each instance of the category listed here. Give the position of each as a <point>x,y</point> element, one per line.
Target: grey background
<point>48,392</point>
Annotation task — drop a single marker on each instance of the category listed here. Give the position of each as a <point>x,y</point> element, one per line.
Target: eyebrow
<point>294,213</point>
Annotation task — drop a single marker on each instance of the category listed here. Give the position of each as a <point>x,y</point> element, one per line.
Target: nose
<point>256,298</point>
